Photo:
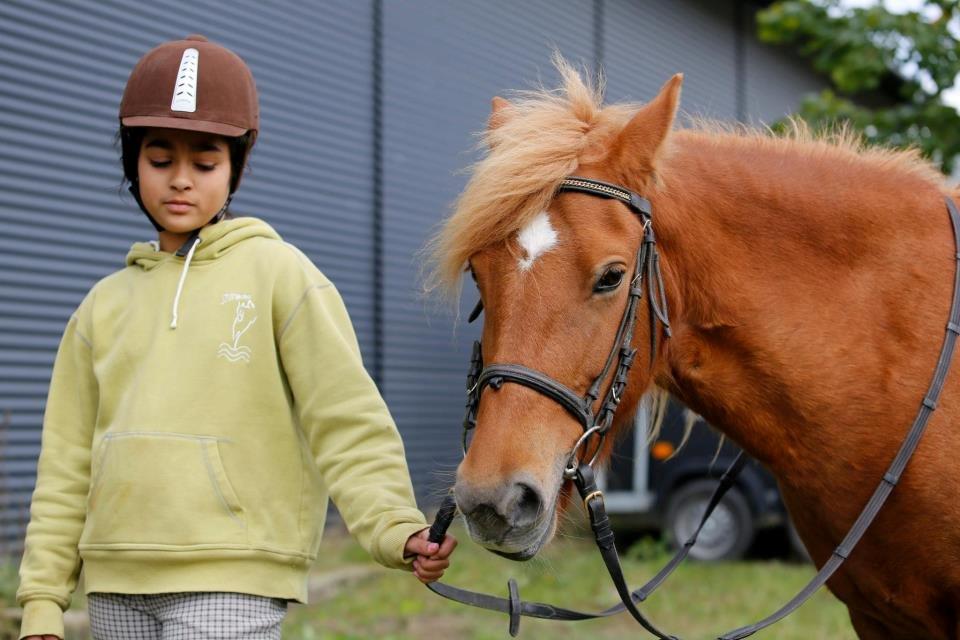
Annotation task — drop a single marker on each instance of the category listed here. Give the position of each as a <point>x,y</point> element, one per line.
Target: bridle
<point>597,423</point>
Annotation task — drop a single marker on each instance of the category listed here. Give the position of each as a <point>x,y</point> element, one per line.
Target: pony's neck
<point>807,303</point>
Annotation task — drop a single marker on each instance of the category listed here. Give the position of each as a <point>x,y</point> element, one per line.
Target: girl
<point>207,399</point>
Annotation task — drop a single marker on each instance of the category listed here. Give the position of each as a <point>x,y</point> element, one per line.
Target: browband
<point>606,190</point>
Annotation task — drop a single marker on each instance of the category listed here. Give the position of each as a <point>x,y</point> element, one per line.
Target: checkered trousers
<point>185,616</point>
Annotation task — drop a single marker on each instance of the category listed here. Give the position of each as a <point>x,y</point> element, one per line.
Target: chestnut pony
<point>809,283</point>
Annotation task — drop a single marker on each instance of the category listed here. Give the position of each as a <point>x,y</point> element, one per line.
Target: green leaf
<point>860,50</point>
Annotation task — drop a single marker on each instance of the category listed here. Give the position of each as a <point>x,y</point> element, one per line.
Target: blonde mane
<point>839,143</point>
<point>544,135</point>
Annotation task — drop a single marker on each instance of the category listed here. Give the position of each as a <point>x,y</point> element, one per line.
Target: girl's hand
<point>431,560</point>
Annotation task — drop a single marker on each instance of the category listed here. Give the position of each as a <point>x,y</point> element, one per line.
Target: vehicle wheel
<point>726,535</point>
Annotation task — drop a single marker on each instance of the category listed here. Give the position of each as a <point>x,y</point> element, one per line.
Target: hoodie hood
<point>210,243</point>
<point>215,241</point>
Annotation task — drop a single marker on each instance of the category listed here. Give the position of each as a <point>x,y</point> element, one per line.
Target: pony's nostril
<point>496,510</point>
<point>528,505</point>
<point>486,518</point>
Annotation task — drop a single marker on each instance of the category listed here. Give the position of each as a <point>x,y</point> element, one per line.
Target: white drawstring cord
<point>183,277</point>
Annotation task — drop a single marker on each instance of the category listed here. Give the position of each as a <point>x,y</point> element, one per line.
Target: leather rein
<point>597,423</point>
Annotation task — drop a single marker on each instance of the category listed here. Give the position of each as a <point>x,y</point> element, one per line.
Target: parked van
<point>663,486</point>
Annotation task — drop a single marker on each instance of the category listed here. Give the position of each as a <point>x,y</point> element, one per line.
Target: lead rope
<point>515,608</point>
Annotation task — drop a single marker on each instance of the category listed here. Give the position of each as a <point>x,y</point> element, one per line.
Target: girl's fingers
<point>430,564</point>
<point>428,576</point>
<point>446,547</point>
<point>429,570</point>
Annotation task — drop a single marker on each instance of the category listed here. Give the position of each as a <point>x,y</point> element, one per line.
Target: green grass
<point>698,602</point>
<point>8,589</point>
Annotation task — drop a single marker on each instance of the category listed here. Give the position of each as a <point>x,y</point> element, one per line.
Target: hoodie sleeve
<point>51,562</point>
<point>351,434</point>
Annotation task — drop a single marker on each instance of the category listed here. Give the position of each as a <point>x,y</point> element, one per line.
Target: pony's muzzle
<point>496,511</point>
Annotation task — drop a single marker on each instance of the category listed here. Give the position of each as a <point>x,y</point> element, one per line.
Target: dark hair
<point>131,138</point>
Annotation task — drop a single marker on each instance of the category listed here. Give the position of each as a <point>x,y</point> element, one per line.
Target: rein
<point>598,424</point>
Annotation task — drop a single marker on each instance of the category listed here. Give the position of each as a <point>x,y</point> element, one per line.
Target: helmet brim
<point>187,124</point>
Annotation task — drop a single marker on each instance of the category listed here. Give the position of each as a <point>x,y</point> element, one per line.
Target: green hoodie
<point>201,411</point>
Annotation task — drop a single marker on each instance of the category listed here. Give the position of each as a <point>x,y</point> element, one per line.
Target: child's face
<point>184,177</point>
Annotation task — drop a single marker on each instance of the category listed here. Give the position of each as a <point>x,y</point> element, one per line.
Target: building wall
<point>368,111</point>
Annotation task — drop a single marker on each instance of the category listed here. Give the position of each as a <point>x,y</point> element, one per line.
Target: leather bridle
<point>597,423</point>
<point>594,422</point>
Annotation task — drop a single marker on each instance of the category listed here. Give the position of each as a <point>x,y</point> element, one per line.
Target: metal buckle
<point>591,496</point>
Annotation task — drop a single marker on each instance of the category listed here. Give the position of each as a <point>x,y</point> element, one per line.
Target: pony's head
<point>553,270</point>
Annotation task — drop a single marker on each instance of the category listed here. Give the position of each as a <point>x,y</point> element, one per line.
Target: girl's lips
<point>178,207</point>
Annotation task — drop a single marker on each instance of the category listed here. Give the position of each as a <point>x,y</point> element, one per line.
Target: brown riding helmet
<point>195,85</point>
<point>191,84</point>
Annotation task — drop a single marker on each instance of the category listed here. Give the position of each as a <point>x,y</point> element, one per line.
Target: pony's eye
<point>609,281</point>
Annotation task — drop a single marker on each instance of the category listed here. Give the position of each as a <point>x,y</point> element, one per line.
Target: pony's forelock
<point>542,136</point>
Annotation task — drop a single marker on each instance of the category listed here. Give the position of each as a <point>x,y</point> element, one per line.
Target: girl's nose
<point>181,180</point>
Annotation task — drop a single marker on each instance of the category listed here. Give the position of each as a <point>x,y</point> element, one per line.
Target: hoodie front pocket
<point>162,489</point>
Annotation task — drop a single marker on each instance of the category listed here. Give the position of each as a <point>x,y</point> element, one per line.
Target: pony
<point>809,281</point>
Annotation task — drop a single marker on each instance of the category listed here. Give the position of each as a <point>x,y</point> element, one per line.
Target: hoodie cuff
<point>41,617</point>
<point>395,539</point>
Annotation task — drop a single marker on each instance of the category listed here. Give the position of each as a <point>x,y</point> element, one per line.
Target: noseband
<point>647,267</point>
<point>594,422</point>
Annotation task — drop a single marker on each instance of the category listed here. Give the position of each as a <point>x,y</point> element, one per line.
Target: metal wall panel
<point>775,79</point>
<point>646,42</point>
<point>64,225</point>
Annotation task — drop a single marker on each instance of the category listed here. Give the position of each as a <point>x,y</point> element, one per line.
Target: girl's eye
<point>206,167</point>
<point>159,164</point>
<point>609,281</point>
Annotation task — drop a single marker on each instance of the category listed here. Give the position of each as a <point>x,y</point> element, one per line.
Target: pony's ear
<point>642,139</point>
<point>498,112</point>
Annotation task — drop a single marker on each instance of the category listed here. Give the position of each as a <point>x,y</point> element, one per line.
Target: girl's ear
<point>641,141</point>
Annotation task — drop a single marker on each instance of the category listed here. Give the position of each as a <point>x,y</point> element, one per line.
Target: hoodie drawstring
<point>195,239</point>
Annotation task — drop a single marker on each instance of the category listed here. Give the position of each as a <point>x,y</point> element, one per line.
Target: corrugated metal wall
<point>348,161</point>
<point>646,42</point>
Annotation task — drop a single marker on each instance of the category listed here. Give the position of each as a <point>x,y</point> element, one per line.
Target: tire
<point>728,533</point>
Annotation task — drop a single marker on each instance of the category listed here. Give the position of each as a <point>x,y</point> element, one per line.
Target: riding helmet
<point>190,84</point>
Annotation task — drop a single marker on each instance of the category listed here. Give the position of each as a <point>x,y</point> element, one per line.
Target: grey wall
<point>368,110</point>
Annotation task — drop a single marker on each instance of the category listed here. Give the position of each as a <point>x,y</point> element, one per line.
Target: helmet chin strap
<point>134,189</point>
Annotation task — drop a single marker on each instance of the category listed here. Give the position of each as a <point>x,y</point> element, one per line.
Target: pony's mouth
<point>518,545</point>
<point>528,553</point>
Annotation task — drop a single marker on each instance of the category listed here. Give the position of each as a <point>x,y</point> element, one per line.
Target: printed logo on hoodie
<point>243,319</point>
